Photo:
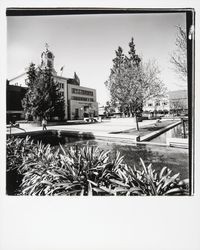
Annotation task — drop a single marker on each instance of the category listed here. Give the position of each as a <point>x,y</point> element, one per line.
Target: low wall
<point>178,142</point>
<point>159,132</point>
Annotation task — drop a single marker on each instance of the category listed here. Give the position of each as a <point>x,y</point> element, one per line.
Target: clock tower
<point>47,59</point>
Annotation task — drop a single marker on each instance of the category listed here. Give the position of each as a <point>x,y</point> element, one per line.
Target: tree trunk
<point>137,125</point>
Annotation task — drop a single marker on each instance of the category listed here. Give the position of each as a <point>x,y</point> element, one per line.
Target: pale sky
<point>87,43</point>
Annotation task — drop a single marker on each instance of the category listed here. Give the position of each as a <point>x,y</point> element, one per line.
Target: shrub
<point>85,171</point>
<point>17,150</point>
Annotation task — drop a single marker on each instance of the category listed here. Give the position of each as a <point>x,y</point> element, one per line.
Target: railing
<point>14,126</point>
<point>184,121</point>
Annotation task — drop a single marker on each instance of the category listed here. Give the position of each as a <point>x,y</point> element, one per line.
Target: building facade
<point>79,101</point>
<point>173,102</point>
<point>156,106</point>
<point>14,95</point>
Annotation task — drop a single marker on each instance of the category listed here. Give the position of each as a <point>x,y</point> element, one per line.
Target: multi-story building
<point>80,101</point>
<point>14,108</point>
<point>157,105</point>
<point>172,102</point>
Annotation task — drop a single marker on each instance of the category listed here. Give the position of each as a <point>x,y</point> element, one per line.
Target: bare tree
<point>152,85</point>
<point>177,106</point>
<point>179,56</point>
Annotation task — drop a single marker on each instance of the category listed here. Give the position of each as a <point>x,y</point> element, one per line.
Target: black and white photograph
<point>99,103</point>
<point>99,125</point>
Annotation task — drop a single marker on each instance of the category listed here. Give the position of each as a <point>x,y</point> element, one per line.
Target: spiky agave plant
<point>90,171</point>
<point>73,171</point>
<point>16,150</point>
<point>157,183</point>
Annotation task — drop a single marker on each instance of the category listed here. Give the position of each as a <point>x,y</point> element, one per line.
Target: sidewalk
<point>121,130</point>
<point>107,128</point>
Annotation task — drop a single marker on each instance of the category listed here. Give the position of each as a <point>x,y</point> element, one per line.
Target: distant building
<point>156,106</point>
<point>178,101</point>
<point>173,102</point>
<point>80,101</point>
<point>14,95</point>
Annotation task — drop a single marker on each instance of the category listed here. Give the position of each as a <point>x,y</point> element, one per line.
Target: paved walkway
<point>106,127</point>
<point>106,130</point>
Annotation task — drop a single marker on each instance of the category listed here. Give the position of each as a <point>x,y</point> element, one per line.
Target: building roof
<point>19,75</point>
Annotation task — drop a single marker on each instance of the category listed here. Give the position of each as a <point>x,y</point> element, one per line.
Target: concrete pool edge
<point>158,132</point>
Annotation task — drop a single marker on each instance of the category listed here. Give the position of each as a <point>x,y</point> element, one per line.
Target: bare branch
<point>179,56</point>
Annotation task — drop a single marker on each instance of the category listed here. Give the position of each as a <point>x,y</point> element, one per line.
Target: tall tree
<point>179,55</point>
<point>132,82</point>
<point>42,98</point>
<point>27,102</point>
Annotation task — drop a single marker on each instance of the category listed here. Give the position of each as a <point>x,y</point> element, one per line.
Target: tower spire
<point>47,59</point>
<point>46,46</point>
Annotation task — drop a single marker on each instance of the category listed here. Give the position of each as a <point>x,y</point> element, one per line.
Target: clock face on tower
<point>49,55</point>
